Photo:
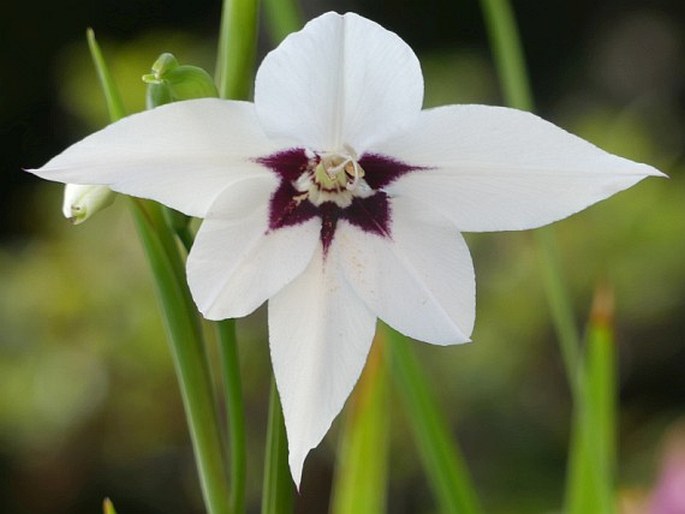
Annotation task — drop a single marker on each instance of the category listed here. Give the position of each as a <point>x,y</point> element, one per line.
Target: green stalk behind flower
<point>277,486</point>
<point>282,18</point>
<point>181,322</point>
<point>508,53</point>
<point>361,473</point>
<point>445,466</point>
<point>590,474</point>
<point>170,82</point>
<point>237,48</point>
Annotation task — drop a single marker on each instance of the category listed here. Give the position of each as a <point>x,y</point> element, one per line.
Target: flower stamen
<point>331,177</point>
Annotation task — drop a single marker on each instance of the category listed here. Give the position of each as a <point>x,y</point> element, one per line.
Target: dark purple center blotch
<point>371,213</point>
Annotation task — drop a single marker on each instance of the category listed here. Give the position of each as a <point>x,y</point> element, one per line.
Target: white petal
<point>320,334</point>
<point>340,80</point>
<point>421,281</point>
<point>495,168</point>
<point>236,262</point>
<point>182,154</point>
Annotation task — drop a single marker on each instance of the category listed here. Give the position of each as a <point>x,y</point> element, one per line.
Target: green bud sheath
<point>186,82</point>
<point>157,94</point>
<point>171,82</point>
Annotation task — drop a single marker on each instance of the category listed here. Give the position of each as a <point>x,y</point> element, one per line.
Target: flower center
<point>332,177</point>
<point>333,186</point>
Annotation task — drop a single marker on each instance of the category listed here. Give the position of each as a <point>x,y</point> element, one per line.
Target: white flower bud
<point>82,201</point>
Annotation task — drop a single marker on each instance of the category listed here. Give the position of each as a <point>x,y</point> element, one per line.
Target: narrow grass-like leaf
<point>235,411</point>
<point>228,349</point>
<point>590,482</point>
<point>559,302</point>
<point>442,460</point>
<point>277,493</point>
<point>590,479</point>
<point>187,349</point>
<point>108,507</point>
<point>181,322</point>
<point>505,44</point>
<point>237,48</point>
<point>602,378</point>
<point>115,106</point>
<point>361,474</point>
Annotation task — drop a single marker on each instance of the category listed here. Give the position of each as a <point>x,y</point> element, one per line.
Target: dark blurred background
<point>88,401</point>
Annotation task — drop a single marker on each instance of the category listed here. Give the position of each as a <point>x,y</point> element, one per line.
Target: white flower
<point>81,201</point>
<point>339,200</point>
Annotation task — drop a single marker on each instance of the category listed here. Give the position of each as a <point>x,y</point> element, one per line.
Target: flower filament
<point>332,177</point>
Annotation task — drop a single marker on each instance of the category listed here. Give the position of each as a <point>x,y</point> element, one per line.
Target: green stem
<point>560,305</point>
<point>509,58</point>
<point>282,18</point>
<point>442,460</point>
<point>508,52</point>
<point>234,76</point>
<point>586,451</point>
<point>180,321</point>
<point>234,71</point>
<point>277,495</point>
<point>184,334</point>
<point>237,48</point>
<point>235,411</point>
<point>115,106</point>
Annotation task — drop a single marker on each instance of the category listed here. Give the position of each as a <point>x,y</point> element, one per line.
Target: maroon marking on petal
<point>285,210</point>
<point>381,170</point>
<point>287,164</point>
<point>330,214</point>
<point>370,214</point>
<point>288,206</point>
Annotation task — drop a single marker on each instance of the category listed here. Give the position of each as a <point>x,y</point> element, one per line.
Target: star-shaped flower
<point>336,198</point>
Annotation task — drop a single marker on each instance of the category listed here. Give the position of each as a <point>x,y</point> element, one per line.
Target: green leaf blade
<point>444,465</point>
<point>591,480</point>
<point>361,475</point>
<point>277,492</point>
<point>181,322</point>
